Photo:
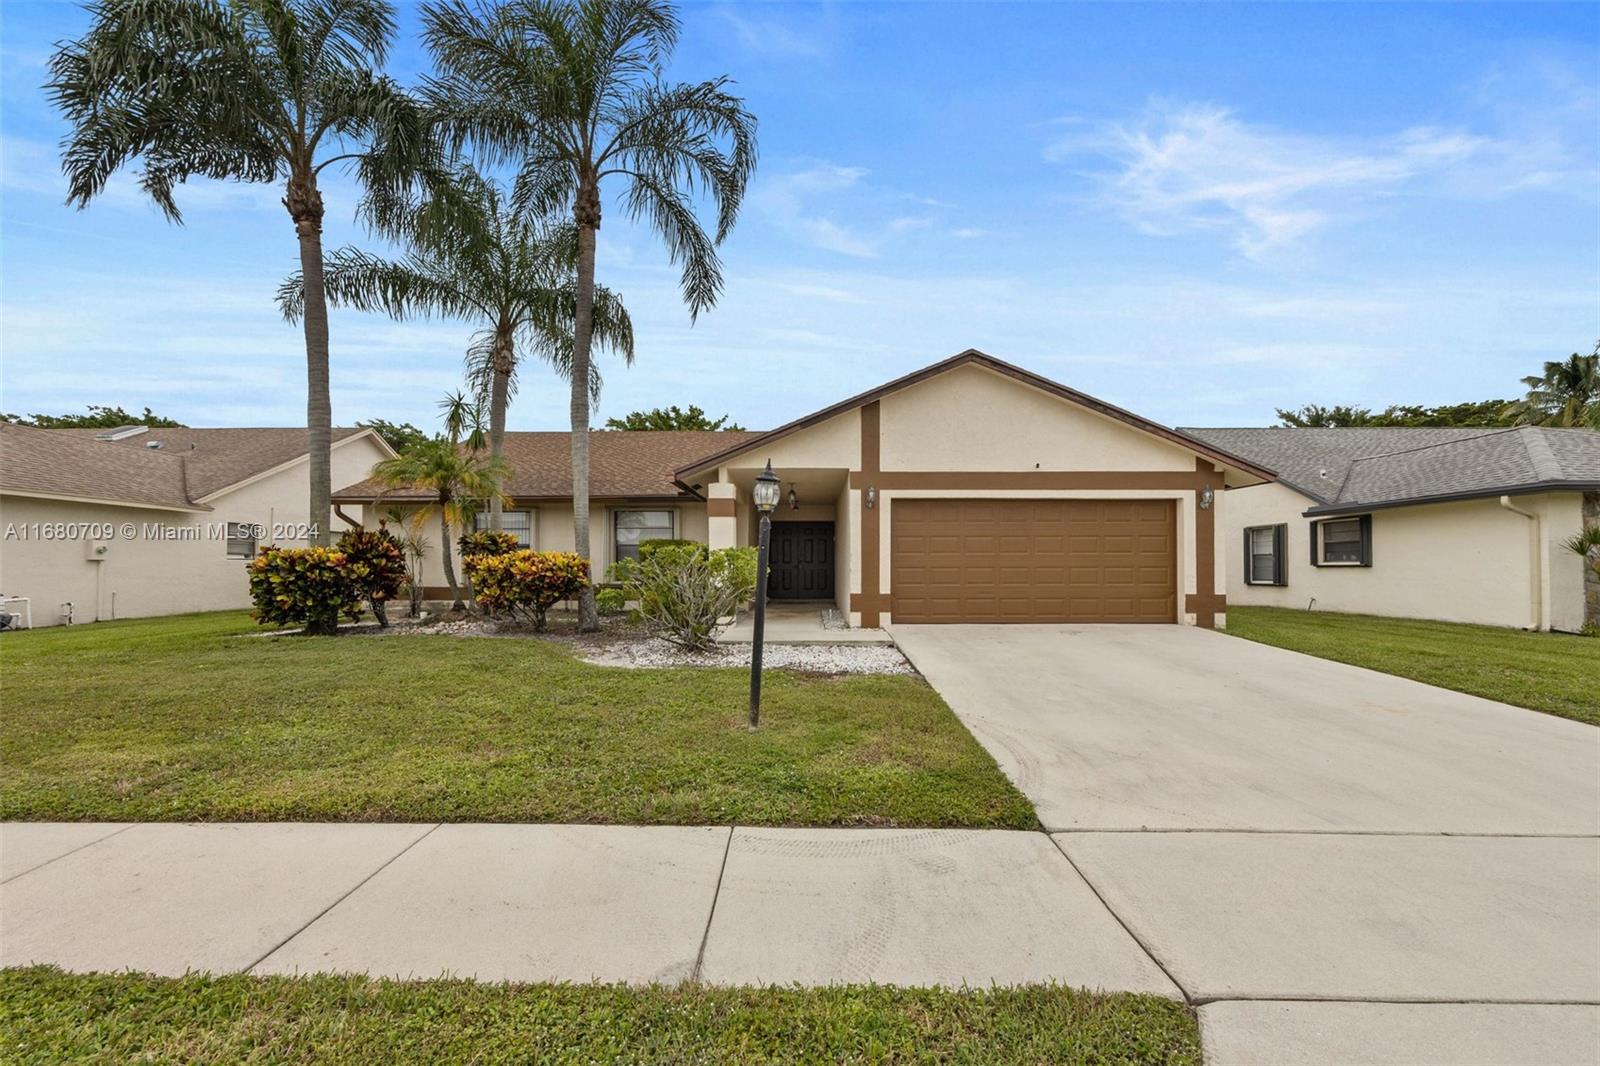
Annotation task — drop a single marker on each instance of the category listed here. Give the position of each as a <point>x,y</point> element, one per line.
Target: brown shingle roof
<point>216,458</point>
<point>73,464</point>
<point>622,463</point>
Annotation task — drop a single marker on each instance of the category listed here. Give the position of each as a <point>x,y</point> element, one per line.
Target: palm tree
<point>471,255</point>
<point>571,92</point>
<point>1566,394</point>
<point>457,477</point>
<point>242,90</point>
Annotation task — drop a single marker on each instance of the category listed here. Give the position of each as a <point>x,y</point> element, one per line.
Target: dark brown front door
<point>801,561</point>
<point>1033,561</point>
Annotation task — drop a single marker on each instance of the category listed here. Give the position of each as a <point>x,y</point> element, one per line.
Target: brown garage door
<point>1033,561</point>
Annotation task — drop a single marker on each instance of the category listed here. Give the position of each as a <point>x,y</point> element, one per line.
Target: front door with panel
<point>801,561</point>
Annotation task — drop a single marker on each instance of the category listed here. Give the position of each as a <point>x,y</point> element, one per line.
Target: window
<point>241,540</point>
<point>518,523</point>
<point>1263,555</point>
<point>635,527</point>
<point>1344,541</point>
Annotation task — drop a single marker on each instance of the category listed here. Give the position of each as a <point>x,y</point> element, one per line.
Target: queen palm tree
<point>457,477</point>
<point>1566,394</point>
<point>472,255</point>
<point>242,90</point>
<point>571,93</point>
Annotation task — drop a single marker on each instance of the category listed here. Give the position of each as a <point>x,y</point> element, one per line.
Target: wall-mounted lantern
<point>1206,496</point>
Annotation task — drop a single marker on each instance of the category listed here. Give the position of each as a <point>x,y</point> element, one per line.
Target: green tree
<point>1470,413</point>
<point>242,90</point>
<point>571,92</point>
<point>472,255</point>
<point>658,418</point>
<point>401,436</point>
<point>98,417</point>
<point>1566,394</point>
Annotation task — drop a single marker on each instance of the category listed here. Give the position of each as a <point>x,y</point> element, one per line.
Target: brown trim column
<point>870,601</point>
<point>1207,602</point>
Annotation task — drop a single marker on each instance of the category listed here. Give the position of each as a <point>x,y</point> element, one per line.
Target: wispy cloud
<point>788,200</point>
<point>772,37</point>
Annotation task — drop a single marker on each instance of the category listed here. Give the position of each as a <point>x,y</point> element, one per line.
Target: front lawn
<point>195,719</point>
<point>1551,672</point>
<point>48,1016</point>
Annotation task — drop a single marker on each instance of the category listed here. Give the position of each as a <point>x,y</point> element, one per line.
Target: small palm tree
<point>473,256</point>
<point>1566,394</point>
<point>457,477</point>
<point>571,93</point>
<point>242,90</point>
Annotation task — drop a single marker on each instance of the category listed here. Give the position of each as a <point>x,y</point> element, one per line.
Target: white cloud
<point>787,200</point>
<point>772,37</point>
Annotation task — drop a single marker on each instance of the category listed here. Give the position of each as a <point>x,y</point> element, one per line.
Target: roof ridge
<point>1545,465</point>
<point>1488,431</point>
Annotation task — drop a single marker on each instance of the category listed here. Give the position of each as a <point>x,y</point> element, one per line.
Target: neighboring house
<point>969,491</point>
<point>1464,525</point>
<point>120,523</point>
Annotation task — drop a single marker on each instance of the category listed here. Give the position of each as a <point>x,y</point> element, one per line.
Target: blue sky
<point>1197,212</point>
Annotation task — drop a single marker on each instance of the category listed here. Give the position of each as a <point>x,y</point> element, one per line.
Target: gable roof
<point>631,464</point>
<point>1360,469</point>
<point>973,357</point>
<point>121,467</point>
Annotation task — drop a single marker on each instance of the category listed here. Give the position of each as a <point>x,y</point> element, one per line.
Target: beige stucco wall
<point>1467,561</point>
<point>142,574</point>
<point>975,419</point>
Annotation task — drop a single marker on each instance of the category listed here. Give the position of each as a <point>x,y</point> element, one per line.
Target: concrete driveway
<point>1335,865</point>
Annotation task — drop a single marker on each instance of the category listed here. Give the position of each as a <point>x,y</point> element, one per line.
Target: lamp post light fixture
<point>765,496</point>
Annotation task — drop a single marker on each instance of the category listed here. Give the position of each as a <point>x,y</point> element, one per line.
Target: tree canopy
<point>401,436</point>
<point>99,416</point>
<point>674,417</point>
<point>1470,413</point>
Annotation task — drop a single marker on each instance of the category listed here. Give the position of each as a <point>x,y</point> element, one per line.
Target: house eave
<point>1527,488</point>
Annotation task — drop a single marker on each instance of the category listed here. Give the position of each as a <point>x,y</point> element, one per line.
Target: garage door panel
<point>1033,561</point>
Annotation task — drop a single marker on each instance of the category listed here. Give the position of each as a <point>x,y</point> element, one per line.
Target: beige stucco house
<point>1458,524</point>
<point>122,523</point>
<point>969,491</point>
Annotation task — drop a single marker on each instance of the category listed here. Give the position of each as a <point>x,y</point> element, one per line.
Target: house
<point>1458,524</point>
<point>134,521</point>
<point>969,491</point>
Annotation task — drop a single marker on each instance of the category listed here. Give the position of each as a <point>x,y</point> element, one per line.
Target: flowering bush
<point>375,561</point>
<point>526,583</point>
<point>304,586</point>
<point>683,589</point>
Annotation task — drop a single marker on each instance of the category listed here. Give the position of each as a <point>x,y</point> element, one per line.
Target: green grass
<point>194,718</point>
<point>1551,672</point>
<point>47,1016</point>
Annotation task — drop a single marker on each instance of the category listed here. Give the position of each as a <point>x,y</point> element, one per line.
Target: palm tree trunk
<point>499,396</point>
<point>304,203</point>
<point>449,560</point>
<point>587,213</point>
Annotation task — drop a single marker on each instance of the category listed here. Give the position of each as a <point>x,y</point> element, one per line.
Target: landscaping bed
<point>196,718</point>
<point>49,1016</point>
<point>1556,673</point>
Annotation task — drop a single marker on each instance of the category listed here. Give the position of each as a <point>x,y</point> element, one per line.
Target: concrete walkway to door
<point>1334,864</point>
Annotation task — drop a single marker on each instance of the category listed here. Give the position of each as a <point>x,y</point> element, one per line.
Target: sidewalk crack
<point>700,956</point>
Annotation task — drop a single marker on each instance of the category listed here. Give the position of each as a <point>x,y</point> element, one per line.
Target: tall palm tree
<point>472,255</point>
<point>571,93</point>
<point>242,90</point>
<point>1566,394</point>
<point>457,477</point>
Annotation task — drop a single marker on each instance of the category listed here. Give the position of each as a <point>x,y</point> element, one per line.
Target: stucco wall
<point>1468,561</point>
<point>144,575</point>
<point>1591,579</point>
<point>975,419</point>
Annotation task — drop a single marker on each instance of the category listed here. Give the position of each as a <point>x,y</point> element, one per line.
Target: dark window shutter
<point>1314,529</point>
<point>1280,565</point>
<point>1366,540</point>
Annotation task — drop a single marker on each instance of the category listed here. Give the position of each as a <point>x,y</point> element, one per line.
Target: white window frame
<point>480,522</point>
<point>1279,534</point>
<point>249,528</point>
<point>618,512</point>
<point>1319,541</point>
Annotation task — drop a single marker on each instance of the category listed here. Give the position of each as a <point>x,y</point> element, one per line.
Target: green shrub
<point>648,548</point>
<point>611,601</point>
<point>526,583</point>
<point>375,561</point>
<point>683,589</point>
<point>486,542</point>
<point>303,586</point>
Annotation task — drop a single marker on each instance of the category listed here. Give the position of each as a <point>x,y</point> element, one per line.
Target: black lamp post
<point>765,496</point>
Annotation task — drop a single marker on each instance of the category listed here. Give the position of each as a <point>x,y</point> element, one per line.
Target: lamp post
<point>765,496</point>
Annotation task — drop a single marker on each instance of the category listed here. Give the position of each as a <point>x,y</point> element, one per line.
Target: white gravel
<point>654,653</point>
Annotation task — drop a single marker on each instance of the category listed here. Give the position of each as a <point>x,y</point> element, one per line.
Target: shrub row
<point>313,587</point>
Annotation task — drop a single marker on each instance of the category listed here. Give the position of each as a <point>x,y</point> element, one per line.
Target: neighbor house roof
<point>973,357</point>
<point>630,464</point>
<point>135,466</point>
<point>1360,469</point>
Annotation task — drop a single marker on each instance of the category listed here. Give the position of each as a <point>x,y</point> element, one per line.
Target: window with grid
<point>241,540</point>
<point>518,523</point>
<point>635,527</point>
<point>1347,540</point>
<point>1263,555</point>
